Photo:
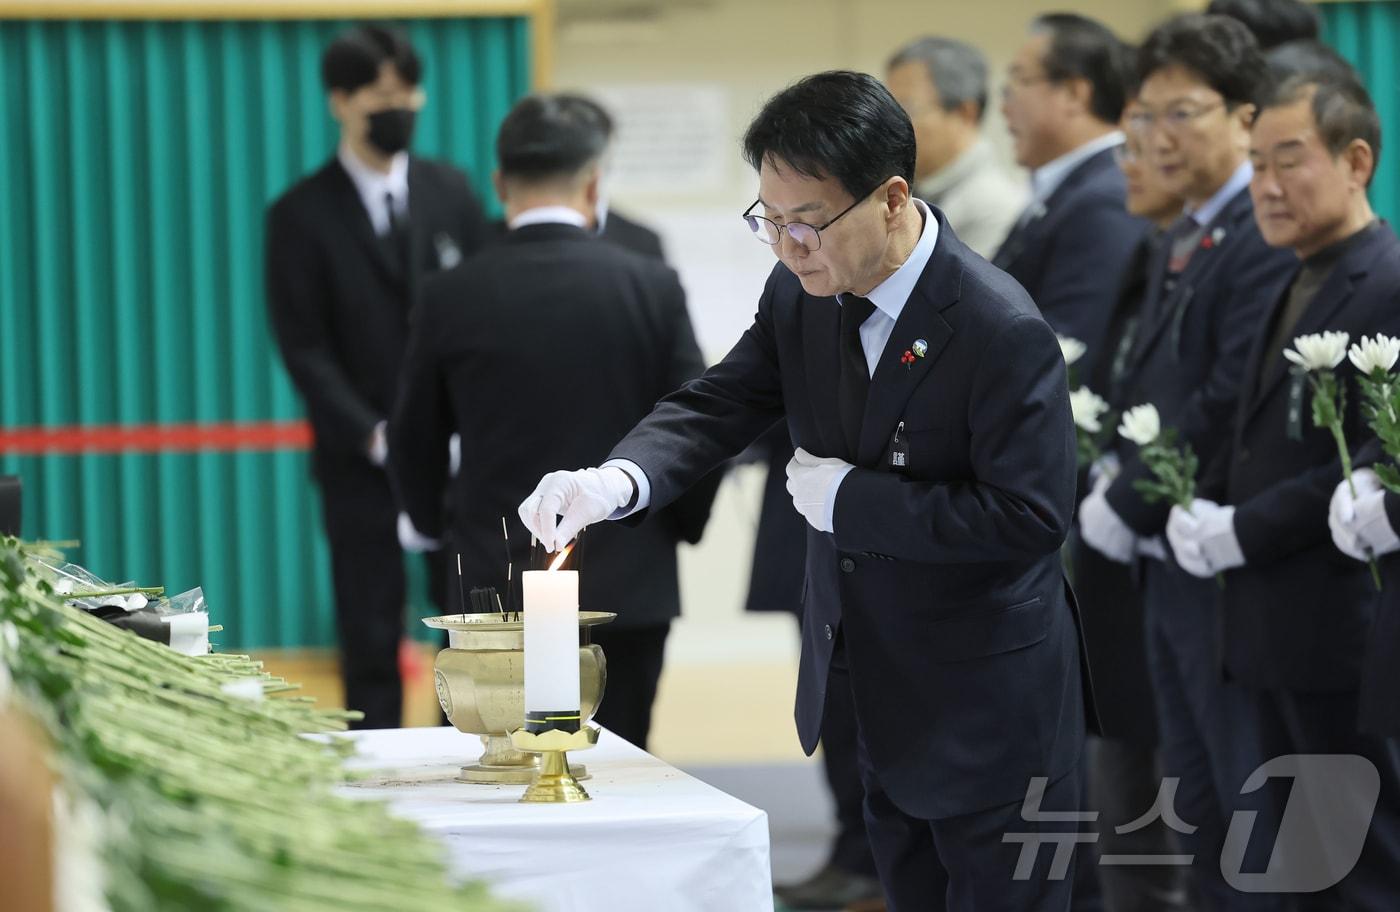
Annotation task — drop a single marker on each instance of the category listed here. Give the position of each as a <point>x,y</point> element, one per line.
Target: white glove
<point>1106,466</point>
<point>1101,528</point>
<point>413,541</point>
<point>1153,548</point>
<point>1360,527</point>
<point>378,447</point>
<point>582,498</point>
<point>1203,538</point>
<point>812,482</point>
<point>454,455</point>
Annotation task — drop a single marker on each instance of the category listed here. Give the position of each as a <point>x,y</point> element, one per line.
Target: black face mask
<point>391,130</point>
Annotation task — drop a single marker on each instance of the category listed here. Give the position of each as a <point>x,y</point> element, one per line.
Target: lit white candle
<point>551,642</point>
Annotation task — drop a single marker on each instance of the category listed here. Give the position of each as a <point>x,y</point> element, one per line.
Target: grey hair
<point>958,70</point>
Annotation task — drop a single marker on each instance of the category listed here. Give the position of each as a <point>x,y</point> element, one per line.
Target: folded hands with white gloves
<point>1203,538</point>
<point>1360,526</point>
<point>813,481</point>
<point>563,503</point>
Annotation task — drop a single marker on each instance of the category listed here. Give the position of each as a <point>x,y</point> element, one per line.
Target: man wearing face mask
<point>347,250</point>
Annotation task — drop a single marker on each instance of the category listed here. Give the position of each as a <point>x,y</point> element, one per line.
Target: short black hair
<point>1218,49</point>
<point>552,136</point>
<point>1273,22</point>
<point>1307,57</point>
<point>1081,48</point>
<point>837,124</point>
<point>1341,107</point>
<point>355,57</point>
<point>957,70</point>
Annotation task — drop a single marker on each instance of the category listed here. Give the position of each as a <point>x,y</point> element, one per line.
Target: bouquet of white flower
<point>1088,409</point>
<point>1174,467</point>
<point>1317,356</point>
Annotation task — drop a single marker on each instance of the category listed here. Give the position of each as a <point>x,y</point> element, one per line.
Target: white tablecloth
<point>653,839</point>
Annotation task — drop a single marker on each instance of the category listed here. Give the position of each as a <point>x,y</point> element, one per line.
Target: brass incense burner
<point>480,681</point>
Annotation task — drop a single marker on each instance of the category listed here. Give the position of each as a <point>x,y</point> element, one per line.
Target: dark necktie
<point>396,241</point>
<point>855,371</point>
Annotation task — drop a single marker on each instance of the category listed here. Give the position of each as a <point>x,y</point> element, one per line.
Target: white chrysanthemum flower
<point>1071,348</point>
<point>1318,351</point>
<point>1087,407</point>
<point>1375,353</point>
<point>1141,424</point>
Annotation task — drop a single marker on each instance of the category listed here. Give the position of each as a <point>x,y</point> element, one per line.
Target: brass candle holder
<point>480,681</point>
<point>556,782</point>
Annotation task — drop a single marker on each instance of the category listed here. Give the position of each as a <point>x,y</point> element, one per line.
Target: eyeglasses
<point>1173,120</point>
<point>808,236</point>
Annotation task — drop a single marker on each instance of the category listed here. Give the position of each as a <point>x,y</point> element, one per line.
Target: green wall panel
<point>1366,34</point>
<point>137,161</point>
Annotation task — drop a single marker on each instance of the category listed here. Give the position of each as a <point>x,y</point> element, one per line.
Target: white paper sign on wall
<point>671,138</point>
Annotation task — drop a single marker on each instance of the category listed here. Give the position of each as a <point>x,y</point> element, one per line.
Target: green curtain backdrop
<point>136,164</point>
<point>1365,33</point>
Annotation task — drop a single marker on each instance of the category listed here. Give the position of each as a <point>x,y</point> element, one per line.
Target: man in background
<point>1201,79</point>
<point>1124,775</point>
<point>552,340</point>
<point>347,250</point>
<point>942,85</point>
<point>1063,97</point>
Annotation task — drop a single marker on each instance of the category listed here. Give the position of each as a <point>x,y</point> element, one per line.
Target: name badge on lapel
<point>1297,392</point>
<point>448,254</point>
<point>899,449</point>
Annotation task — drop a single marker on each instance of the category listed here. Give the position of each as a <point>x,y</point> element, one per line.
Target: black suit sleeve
<point>1075,295</point>
<point>420,427</point>
<point>711,418</point>
<point>1020,500</point>
<point>1205,421</point>
<point>299,302</point>
<point>476,231</point>
<point>690,513</point>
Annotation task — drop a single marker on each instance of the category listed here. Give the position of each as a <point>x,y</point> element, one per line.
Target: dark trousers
<point>962,864</point>
<point>851,850</point>
<point>1210,739</point>
<point>634,656</point>
<point>367,567</point>
<point>1123,786</point>
<point>1325,724</point>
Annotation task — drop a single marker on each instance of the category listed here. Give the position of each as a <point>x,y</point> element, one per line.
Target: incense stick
<point>510,566</point>
<point>461,592</point>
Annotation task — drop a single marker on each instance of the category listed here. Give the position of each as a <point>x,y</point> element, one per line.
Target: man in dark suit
<point>1297,613</point>
<point>552,341</point>
<point>1201,76</point>
<point>1124,775</point>
<point>347,250</point>
<point>935,471</point>
<point>1063,97</point>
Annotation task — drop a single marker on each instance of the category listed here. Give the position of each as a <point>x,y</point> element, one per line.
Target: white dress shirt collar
<point>549,215</point>
<point>890,296</point>
<point>1205,213</point>
<point>1046,179</point>
<point>374,185</point>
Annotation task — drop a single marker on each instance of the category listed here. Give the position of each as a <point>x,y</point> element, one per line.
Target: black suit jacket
<point>1110,598</point>
<point>1299,613</point>
<point>633,236</point>
<point>1191,345</point>
<point>1380,669</point>
<point>541,351</point>
<point>340,304</point>
<point>1071,255</point>
<point>944,580</point>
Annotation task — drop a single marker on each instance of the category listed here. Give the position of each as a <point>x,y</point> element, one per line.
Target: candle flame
<point>563,556</point>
